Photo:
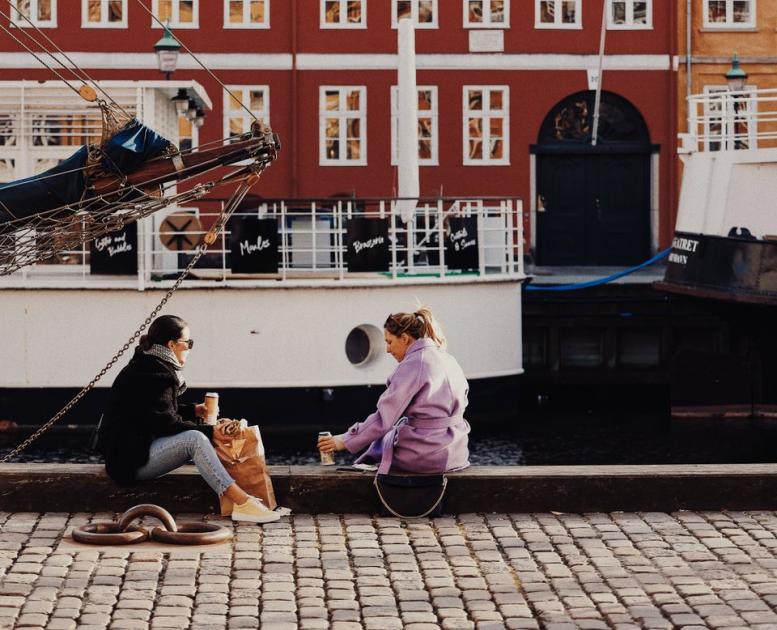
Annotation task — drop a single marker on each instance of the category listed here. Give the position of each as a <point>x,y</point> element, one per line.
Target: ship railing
<point>305,240</point>
<point>723,120</point>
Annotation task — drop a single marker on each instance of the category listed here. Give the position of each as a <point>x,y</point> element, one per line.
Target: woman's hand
<point>330,444</point>
<point>200,411</point>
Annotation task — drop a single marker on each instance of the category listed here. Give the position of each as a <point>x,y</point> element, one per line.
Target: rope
<point>75,67</point>
<point>202,65</point>
<point>600,281</point>
<point>209,239</point>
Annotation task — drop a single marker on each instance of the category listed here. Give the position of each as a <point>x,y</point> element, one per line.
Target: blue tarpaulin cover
<point>64,184</point>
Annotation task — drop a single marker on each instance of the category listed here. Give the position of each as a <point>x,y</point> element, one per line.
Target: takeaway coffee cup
<point>327,459</point>
<point>211,407</point>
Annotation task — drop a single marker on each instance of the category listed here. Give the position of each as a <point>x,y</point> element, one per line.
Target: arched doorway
<point>593,202</point>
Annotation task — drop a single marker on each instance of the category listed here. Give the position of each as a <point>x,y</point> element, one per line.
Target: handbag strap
<point>397,514</point>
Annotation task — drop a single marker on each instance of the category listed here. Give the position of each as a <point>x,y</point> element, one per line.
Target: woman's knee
<point>196,440</point>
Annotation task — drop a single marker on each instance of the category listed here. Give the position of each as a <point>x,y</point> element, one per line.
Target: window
<point>246,13</point>
<point>486,125</point>
<point>342,125</point>
<point>729,122</point>
<point>423,12</point>
<point>629,14</point>
<point>236,119</point>
<point>343,13</point>
<point>486,13</point>
<point>427,125</point>
<point>104,13</point>
<point>39,12</point>
<point>729,13</point>
<point>179,13</point>
<point>558,14</point>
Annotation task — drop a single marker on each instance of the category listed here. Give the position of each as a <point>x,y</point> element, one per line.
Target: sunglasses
<point>189,342</point>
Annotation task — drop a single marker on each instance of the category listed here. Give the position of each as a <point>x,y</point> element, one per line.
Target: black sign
<point>461,243</point>
<point>115,253</point>
<point>367,244</point>
<point>254,245</point>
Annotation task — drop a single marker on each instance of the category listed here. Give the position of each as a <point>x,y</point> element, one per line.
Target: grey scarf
<point>163,353</point>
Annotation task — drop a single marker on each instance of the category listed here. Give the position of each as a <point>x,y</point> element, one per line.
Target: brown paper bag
<point>240,449</point>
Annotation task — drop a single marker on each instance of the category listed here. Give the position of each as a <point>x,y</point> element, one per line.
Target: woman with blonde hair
<point>419,424</point>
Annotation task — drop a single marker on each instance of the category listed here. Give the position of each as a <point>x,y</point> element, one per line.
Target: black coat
<point>142,406</point>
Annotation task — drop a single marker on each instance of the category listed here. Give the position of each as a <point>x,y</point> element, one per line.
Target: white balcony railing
<point>722,120</point>
<point>312,240</point>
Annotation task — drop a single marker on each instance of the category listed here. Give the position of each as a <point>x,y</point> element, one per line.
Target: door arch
<point>593,202</point>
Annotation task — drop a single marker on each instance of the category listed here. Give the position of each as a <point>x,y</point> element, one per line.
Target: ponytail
<point>419,324</point>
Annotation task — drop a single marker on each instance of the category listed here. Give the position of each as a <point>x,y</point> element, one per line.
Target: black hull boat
<point>735,269</point>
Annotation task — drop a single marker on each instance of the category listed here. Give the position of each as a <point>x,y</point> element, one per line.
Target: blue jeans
<point>173,451</point>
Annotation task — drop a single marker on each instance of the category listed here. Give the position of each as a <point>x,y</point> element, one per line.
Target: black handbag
<point>411,496</point>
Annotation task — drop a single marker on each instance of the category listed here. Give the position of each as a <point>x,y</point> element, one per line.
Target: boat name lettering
<point>250,248</point>
<point>458,239</point>
<point>685,244</point>
<point>115,244</point>
<point>680,259</point>
<point>368,244</point>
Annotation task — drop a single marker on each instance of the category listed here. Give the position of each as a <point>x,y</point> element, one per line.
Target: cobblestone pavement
<point>621,570</point>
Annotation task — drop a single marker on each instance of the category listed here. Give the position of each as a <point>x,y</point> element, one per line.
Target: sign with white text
<point>367,244</point>
<point>115,253</point>
<point>461,244</point>
<point>253,245</point>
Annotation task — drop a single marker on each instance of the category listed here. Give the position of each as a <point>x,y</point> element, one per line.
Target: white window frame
<point>103,23</point>
<point>242,92</point>
<point>629,24</point>
<point>484,113</point>
<point>342,115</point>
<point>247,23</point>
<point>432,113</point>
<point>729,24</point>
<point>558,24</point>
<point>343,23</point>
<point>414,14</point>
<point>486,23</point>
<point>17,20</point>
<point>175,21</point>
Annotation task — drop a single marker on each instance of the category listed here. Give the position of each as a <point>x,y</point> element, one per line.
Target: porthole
<point>363,345</point>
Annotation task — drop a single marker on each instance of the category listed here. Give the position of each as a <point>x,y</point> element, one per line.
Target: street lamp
<point>181,102</point>
<point>736,78</point>
<point>167,49</point>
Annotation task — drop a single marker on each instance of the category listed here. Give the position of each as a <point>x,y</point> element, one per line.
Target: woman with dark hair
<point>146,432</point>
<point>419,424</point>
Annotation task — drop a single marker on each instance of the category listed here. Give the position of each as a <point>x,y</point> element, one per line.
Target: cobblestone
<point>622,570</point>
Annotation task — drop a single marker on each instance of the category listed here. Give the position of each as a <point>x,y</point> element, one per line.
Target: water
<point>539,439</point>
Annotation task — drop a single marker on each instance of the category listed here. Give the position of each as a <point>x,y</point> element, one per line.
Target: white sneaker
<point>254,511</point>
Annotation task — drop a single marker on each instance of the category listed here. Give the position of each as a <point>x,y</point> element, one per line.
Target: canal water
<point>534,438</point>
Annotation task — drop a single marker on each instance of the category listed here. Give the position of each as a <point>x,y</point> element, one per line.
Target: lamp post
<point>736,78</point>
<point>167,49</point>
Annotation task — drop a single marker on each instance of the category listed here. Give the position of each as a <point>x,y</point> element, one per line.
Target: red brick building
<point>505,106</point>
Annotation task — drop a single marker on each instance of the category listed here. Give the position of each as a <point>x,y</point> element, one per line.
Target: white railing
<point>726,121</point>
<point>316,239</point>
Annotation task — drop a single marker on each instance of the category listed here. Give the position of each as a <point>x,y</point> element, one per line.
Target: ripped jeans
<point>173,451</point>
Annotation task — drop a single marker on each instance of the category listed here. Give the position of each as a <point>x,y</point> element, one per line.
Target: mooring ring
<point>148,509</point>
<point>192,533</point>
<point>108,534</point>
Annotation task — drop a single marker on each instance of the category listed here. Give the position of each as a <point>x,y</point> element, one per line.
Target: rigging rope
<point>202,65</point>
<point>86,80</point>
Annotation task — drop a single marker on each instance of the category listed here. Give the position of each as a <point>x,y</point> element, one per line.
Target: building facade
<point>505,100</point>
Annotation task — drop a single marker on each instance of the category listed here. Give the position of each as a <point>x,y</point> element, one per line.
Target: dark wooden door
<point>596,209</point>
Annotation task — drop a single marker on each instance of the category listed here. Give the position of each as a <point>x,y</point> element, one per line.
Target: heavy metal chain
<point>208,240</point>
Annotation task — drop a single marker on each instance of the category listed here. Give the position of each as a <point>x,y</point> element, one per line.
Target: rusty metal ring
<point>109,534</point>
<point>148,509</point>
<point>192,533</point>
